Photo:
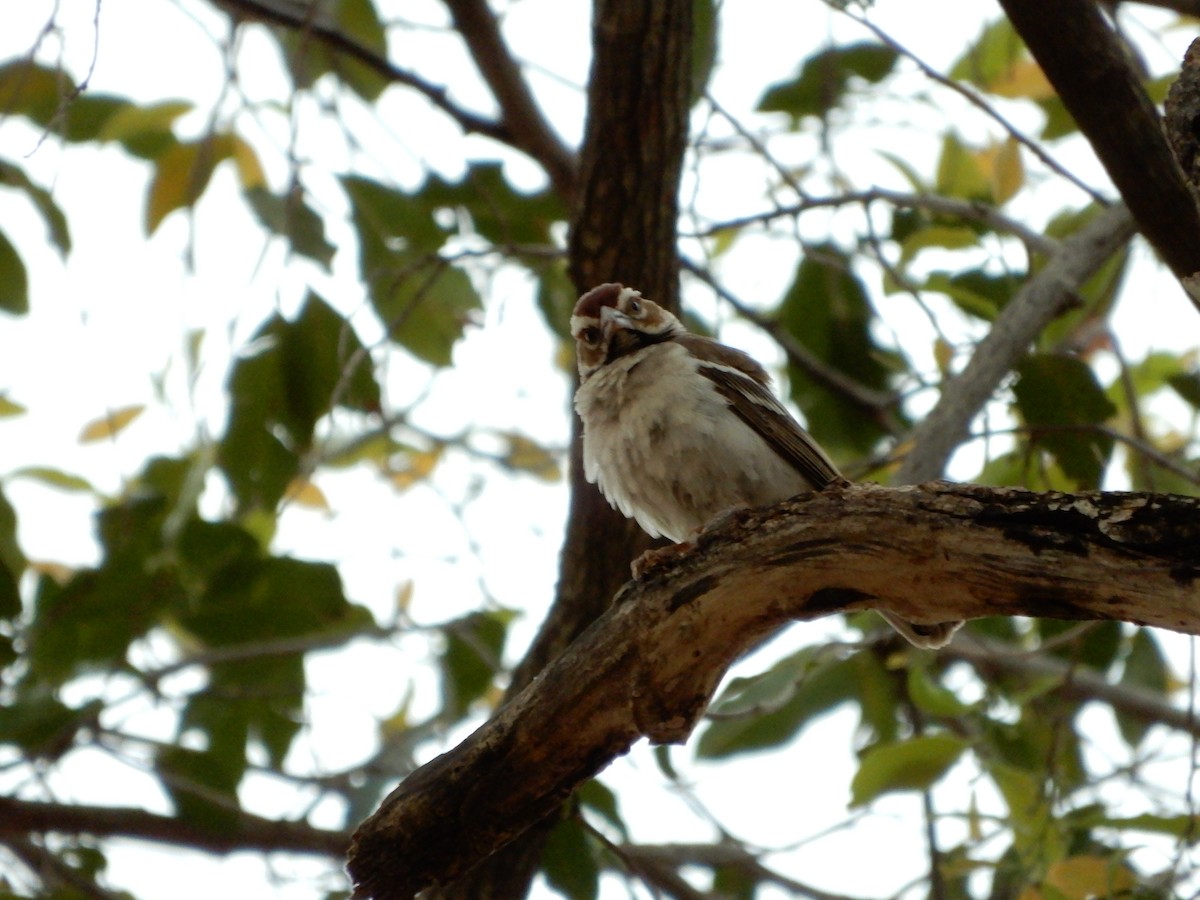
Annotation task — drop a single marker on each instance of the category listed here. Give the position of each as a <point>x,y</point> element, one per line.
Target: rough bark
<point>649,666</point>
<point>623,228</point>
<point>1086,63</point>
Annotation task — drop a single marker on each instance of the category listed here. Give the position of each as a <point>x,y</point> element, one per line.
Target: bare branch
<point>24,817</point>
<point>992,660</point>
<point>1046,295</point>
<point>649,666</point>
<point>298,17</point>
<point>875,403</point>
<point>521,115</point>
<point>972,211</point>
<point>978,101</point>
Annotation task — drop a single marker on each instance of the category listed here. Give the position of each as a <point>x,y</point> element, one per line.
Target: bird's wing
<point>743,384</point>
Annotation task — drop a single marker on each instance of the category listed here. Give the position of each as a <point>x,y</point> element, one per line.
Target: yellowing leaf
<point>404,595</point>
<point>525,455</point>
<point>420,465</point>
<point>943,355</point>
<point>60,573</point>
<point>180,176</point>
<point>1024,79</point>
<point>305,493</point>
<point>249,169</point>
<point>56,478</point>
<point>960,173</point>
<point>132,121</point>
<point>1081,878</point>
<point>110,424</point>
<point>1009,174</point>
<point>10,407</point>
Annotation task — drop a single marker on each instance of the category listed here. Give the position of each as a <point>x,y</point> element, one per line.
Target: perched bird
<point>679,429</point>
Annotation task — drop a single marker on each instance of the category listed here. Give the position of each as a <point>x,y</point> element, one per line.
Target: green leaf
<point>257,464</point>
<point>43,202</point>
<point>991,56</point>
<point>931,696</point>
<point>596,796</point>
<point>1061,392</point>
<point>704,45</point>
<point>497,211</point>
<point>28,89</point>
<point>911,765</point>
<point>358,22</point>
<point>824,77</point>
<point>145,131</point>
<point>1187,386</point>
<point>1181,826</point>
<point>828,310</point>
<point>203,785</point>
<point>960,173</point>
<point>569,861</point>
<point>474,647</point>
<point>425,307</point>
<point>88,623</point>
<point>56,478</point>
<point>249,600</point>
<point>942,237</point>
<point>976,292</point>
<point>41,725</point>
<point>14,282</point>
<point>291,218</point>
<point>1096,646</point>
<point>12,562</point>
<point>772,708</point>
<point>295,374</point>
<point>324,364</point>
<point>1146,670</point>
<point>1027,808</point>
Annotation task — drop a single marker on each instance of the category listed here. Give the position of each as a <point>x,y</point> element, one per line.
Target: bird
<point>680,429</point>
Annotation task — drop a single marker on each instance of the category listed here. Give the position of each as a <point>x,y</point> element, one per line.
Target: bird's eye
<point>635,307</point>
<point>590,335</point>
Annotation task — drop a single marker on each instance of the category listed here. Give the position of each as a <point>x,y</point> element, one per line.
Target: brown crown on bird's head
<point>590,304</point>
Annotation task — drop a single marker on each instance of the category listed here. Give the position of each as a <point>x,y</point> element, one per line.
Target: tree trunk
<point>623,229</point>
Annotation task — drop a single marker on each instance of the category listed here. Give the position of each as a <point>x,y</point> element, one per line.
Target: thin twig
<point>970,210</point>
<point>976,100</point>
<point>878,404</point>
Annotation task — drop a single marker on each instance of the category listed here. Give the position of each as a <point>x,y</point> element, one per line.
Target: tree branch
<point>1045,296</point>
<point>1087,65</point>
<point>24,817</point>
<point>994,660</point>
<point>521,115</point>
<point>649,666</point>
<point>518,129</point>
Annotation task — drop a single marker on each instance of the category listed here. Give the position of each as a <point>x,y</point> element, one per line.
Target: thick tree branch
<point>1087,65</point>
<point>649,666</point>
<point>24,817</point>
<point>1045,296</point>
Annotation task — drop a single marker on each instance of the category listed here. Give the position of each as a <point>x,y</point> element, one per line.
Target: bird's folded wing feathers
<point>743,383</point>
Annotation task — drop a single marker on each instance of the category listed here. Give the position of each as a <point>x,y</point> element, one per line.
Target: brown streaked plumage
<point>679,428</point>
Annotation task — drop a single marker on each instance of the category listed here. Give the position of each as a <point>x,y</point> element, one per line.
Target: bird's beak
<point>612,319</point>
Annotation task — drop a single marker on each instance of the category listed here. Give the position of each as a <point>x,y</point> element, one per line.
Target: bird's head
<point>611,321</point>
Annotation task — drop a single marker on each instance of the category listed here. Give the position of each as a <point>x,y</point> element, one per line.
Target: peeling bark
<point>650,665</point>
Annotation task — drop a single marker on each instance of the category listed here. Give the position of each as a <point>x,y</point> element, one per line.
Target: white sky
<point>115,316</point>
